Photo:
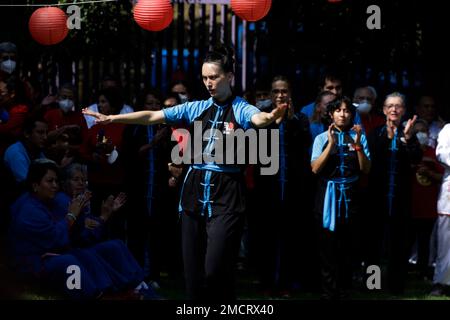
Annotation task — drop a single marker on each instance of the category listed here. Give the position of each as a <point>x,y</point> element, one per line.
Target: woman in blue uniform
<point>41,247</point>
<point>339,156</point>
<point>212,201</point>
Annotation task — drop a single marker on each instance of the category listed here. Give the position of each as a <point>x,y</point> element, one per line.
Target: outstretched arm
<point>263,119</point>
<point>140,117</point>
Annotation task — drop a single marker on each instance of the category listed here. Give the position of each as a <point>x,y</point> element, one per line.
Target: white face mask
<point>66,105</point>
<point>364,106</point>
<point>422,137</point>
<point>8,66</point>
<point>113,156</point>
<point>183,98</point>
<point>263,104</point>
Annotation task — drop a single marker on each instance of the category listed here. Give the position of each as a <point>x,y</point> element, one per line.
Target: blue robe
<point>80,236</point>
<point>40,246</point>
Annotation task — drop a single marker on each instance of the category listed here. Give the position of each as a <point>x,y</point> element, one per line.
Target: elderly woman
<point>394,149</point>
<point>40,245</point>
<point>339,156</point>
<point>89,227</point>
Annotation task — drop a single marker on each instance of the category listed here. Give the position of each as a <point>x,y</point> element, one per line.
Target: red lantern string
<point>153,15</point>
<point>48,25</point>
<point>251,10</point>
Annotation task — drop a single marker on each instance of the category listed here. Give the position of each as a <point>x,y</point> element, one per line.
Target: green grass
<point>172,288</point>
<point>247,289</point>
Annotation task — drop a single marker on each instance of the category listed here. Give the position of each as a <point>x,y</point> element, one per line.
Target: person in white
<point>441,280</point>
<point>107,82</point>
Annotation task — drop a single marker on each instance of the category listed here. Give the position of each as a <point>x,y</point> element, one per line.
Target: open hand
<point>358,129</point>
<point>279,111</point>
<point>409,127</point>
<point>100,118</point>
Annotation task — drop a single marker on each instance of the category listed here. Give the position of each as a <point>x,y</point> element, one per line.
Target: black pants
<point>337,258</point>
<point>210,247</point>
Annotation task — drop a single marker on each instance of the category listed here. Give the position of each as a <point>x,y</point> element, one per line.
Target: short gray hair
<point>8,47</point>
<point>70,170</point>
<point>396,95</point>
<point>370,88</point>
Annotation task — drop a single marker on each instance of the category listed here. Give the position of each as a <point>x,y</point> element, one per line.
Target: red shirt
<point>56,118</point>
<point>11,130</point>
<point>371,121</point>
<point>425,191</point>
<point>104,172</point>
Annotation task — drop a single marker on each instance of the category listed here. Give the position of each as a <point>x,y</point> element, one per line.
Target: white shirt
<point>90,121</point>
<point>443,156</point>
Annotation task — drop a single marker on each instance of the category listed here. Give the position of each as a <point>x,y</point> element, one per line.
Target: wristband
<point>358,148</point>
<point>72,216</point>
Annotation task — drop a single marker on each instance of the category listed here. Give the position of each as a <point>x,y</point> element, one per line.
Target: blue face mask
<point>263,104</point>
<point>183,97</point>
<point>66,105</point>
<point>8,66</point>
<point>364,106</point>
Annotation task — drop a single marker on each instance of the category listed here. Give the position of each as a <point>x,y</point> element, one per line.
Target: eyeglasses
<point>393,106</point>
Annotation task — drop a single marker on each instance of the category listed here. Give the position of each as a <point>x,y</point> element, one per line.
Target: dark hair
<point>223,56</point>
<point>114,97</point>
<point>67,86</point>
<point>143,96</point>
<point>30,123</point>
<point>281,78</point>
<point>336,104</point>
<point>172,95</point>
<point>331,74</point>
<point>323,94</point>
<point>182,82</point>
<point>38,169</point>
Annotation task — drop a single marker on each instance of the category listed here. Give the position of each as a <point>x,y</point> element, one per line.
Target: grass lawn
<point>172,288</point>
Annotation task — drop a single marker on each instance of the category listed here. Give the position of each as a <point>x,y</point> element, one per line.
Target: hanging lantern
<point>153,15</point>
<point>48,25</point>
<point>251,10</point>
<point>334,1</point>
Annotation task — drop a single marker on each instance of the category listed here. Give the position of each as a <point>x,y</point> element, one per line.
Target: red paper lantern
<point>153,15</point>
<point>48,25</point>
<point>251,10</point>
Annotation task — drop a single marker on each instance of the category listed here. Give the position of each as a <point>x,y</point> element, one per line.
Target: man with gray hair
<point>8,56</point>
<point>365,98</point>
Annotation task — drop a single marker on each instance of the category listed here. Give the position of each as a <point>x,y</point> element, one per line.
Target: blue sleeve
<point>358,119</point>
<point>187,112</point>
<point>243,111</point>
<point>319,142</point>
<point>365,145</point>
<point>86,237</point>
<point>17,162</point>
<point>308,109</point>
<point>38,226</point>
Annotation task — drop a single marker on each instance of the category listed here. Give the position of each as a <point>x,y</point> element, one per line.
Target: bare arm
<point>364,162</point>
<point>140,117</point>
<point>263,119</point>
<point>318,164</point>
